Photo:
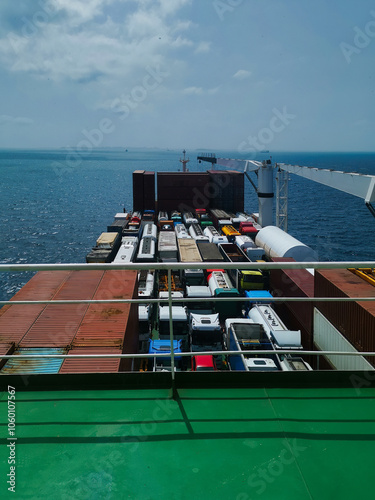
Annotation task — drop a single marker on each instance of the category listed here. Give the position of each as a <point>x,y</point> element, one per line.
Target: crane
<point>360,185</point>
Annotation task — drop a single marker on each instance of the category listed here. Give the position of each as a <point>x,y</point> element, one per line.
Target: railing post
<point>171,331</point>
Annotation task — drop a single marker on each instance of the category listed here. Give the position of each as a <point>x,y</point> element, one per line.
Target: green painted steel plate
<point>208,444</point>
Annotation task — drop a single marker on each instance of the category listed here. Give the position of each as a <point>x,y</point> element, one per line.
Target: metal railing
<point>169,267</point>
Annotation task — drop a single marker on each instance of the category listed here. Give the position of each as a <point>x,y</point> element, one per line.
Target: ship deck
<point>286,440</point>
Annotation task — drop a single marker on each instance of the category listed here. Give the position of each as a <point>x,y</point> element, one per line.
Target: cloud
<point>242,74</point>
<point>193,90</point>
<point>19,120</point>
<point>199,91</point>
<point>203,47</point>
<point>85,42</point>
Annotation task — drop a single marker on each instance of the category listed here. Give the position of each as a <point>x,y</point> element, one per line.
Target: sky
<point>243,75</point>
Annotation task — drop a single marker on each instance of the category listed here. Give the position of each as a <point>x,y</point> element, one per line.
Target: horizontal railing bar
<point>188,354</point>
<point>186,265</point>
<point>190,299</point>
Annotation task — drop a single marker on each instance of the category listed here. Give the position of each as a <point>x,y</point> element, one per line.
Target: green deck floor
<point>208,444</point>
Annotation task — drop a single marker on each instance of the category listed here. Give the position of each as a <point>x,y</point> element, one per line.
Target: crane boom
<point>359,185</point>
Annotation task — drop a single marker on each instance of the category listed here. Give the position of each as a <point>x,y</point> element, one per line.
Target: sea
<point>55,203</point>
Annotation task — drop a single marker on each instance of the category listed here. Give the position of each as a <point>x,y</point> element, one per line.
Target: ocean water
<point>53,204</point>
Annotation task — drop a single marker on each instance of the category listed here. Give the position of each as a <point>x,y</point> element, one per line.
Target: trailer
<point>243,279</point>
<point>196,233</point>
<point>209,252</point>
<point>127,249</point>
<point>221,287</point>
<point>214,236</point>
<point>247,337</point>
<point>167,246</point>
<point>147,250</point>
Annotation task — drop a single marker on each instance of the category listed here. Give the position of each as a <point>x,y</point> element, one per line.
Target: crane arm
<point>359,185</point>
<point>244,165</point>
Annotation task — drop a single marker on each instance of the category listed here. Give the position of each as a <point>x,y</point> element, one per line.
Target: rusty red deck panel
<point>5,349</point>
<point>15,321</point>
<point>109,324</point>
<point>57,324</point>
<point>95,365</point>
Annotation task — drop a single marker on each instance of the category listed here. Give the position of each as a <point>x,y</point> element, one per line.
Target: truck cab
<point>203,363</point>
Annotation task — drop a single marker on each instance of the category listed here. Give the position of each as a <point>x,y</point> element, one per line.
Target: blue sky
<point>217,74</point>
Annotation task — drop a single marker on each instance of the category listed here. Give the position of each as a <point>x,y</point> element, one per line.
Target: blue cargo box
<point>255,295</point>
<point>161,346</point>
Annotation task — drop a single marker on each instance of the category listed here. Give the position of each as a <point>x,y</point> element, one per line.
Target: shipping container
<point>138,190</point>
<point>354,320</point>
<point>57,324</point>
<point>149,191</point>
<point>5,349</point>
<point>112,324</point>
<point>93,365</point>
<point>107,241</point>
<point>99,256</point>
<point>295,283</point>
<point>117,226</point>
<point>33,366</point>
<point>43,286</point>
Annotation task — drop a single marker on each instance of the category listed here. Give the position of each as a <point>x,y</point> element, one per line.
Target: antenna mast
<point>184,161</point>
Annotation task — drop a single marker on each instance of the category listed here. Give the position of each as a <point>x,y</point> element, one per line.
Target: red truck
<point>203,363</point>
<point>248,229</point>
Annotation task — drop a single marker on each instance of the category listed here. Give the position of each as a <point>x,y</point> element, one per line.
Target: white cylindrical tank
<point>278,243</point>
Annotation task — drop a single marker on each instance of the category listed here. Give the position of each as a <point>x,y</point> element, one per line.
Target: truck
<point>199,292</point>
<point>243,279</point>
<point>247,337</point>
<point>247,228</point>
<point>280,337</point>
<point>203,363</point>
<point>205,332</point>
<point>179,319</point>
<point>161,363</point>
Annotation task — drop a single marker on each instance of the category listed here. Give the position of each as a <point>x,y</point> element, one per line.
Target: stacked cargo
<point>107,246</point>
<point>354,320</point>
<point>15,322</point>
<point>57,324</point>
<point>227,188</point>
<point>71,328</point>
<point>143,190</point>
<point>5,348</point>
<point>109,328</point>
<point>295,283</point>
<point>47,329</point>
<point>183,191</point>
